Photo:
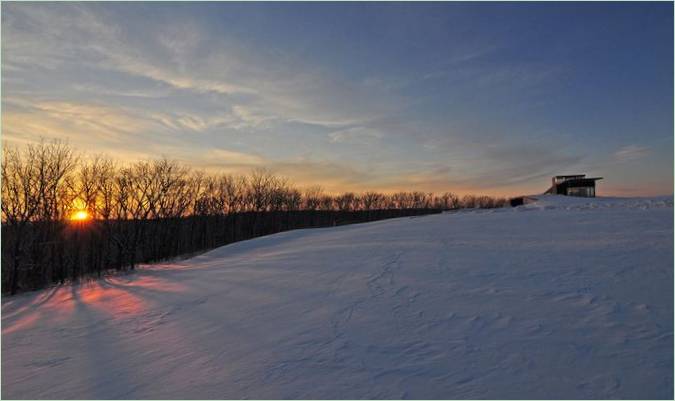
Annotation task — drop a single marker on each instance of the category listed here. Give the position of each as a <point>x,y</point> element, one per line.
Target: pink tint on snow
<point>114,296</point>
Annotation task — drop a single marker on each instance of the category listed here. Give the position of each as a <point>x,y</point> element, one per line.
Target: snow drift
<point>562,298</point>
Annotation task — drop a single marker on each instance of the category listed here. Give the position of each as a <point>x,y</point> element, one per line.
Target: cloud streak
<point>630,153</point>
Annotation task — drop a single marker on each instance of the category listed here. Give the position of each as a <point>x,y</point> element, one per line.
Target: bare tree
<point>346,201</point>
<point>312,197</point>
<point>372,200</point>
<point>261,183</point>
<point>33,190</point>
<point>20,203</point>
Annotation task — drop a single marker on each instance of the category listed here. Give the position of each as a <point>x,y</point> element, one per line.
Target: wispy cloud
<point>100,90</point>
<point>245,80</point>
<point>631,152</point>
<point>356,135</point>
<point>224,157</point>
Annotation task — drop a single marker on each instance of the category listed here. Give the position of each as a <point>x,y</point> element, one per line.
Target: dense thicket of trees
<point>158,209</point>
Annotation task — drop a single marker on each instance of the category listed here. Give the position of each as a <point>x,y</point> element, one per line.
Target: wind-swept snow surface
<point>563,298</point>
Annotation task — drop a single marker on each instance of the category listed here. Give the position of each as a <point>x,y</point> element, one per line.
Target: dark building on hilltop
<point>569,185</point>
<point>573,185</point>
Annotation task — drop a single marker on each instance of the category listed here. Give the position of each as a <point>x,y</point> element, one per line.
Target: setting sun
<point>80,215</point>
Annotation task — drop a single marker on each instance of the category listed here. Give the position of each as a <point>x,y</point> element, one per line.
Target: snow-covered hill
<point>562,298</point>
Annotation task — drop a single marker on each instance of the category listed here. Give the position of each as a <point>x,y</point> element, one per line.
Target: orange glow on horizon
<point>80,215</point>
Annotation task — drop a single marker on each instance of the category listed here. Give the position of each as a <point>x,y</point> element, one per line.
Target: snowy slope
<point>563,298</point>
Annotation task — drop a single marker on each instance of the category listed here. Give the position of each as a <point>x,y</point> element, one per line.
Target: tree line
<point>65,216</point>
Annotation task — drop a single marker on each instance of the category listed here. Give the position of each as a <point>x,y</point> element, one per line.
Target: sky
<point>485,98</point>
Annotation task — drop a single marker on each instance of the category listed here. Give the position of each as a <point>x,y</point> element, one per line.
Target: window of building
<point>581,191</point>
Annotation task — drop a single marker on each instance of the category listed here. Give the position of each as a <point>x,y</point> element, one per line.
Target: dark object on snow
<point>521,200</point>
<point>573,185</point>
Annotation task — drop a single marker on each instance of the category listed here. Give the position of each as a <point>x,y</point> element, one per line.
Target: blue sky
<point>489,98</point>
